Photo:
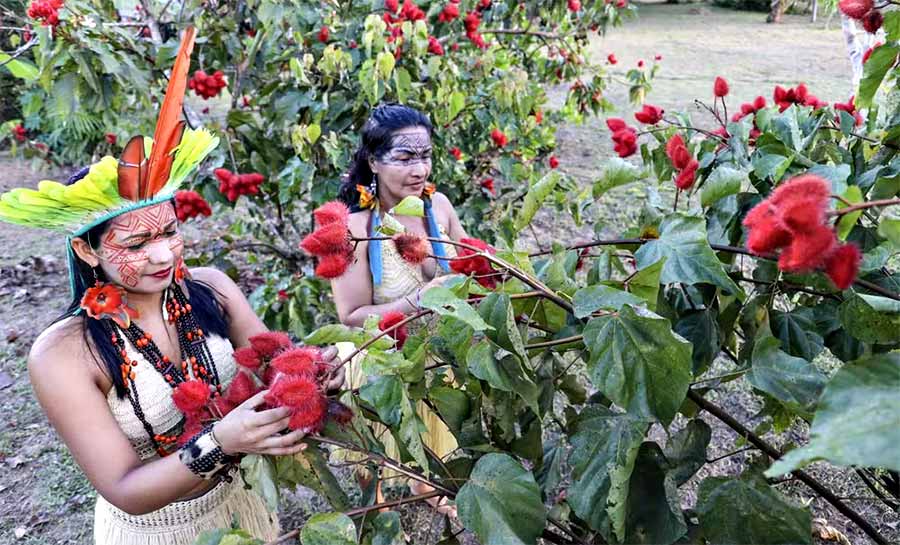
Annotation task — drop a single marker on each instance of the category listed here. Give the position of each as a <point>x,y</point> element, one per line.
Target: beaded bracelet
<point>204,456</point>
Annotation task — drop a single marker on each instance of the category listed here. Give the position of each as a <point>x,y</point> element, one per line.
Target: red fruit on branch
<point>411,247</point>
<point>308,405</point>
<point>856,9</point>
<point>720,87</point>
<point>332,266</point>
<point>488,184</point>
<point>247,357</point>
<point>241,389</point>
<point>499,138</point>
<point>391,6</point>
<point>191,396</point>
<point>207,85</point>
<point>477,265</point>
<point>300,361</point>
<point>808,250</point>
<point>649,115</point>
<point>110,138</point>
<point>640,63</point>
<point>611,58</point>
<point>324,33</point>
<point>19,133</point>
<point>471,21</point>
<point>624,137</point>
<point>554,162</point>
<point>411,12</point>
<point>332,212</point>
<point>189,204</point>
<point>45,11</point>
<point>687,176</point>
<point>390,319</point>
<point>268,343</point>
<point>842,266</point>
<point>449,13</point>
<point>574,5</point>
<point>435,47</point>
<point>850,108</point>
<point>872,21</point>
<point>456,153</point>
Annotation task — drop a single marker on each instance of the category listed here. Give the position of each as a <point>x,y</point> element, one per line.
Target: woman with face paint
<point>139,325</point>
<point>394,162</point>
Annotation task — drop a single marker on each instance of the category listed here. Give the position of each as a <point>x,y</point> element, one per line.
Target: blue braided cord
<point>375,263</point>
<point>434,232</point>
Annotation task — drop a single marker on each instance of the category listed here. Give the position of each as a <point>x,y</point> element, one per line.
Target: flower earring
<point>367,194</point>
<point>108,301</point>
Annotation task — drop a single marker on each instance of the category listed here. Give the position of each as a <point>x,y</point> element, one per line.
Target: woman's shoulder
<point>59,346</point>
<point>359,222</point>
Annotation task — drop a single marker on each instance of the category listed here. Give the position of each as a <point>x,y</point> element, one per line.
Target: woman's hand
<point>247,431</point>
<point>335,380</point>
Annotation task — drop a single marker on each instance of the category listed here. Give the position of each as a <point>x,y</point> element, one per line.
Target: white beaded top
<point>400,278</point>
<point>155,395</point>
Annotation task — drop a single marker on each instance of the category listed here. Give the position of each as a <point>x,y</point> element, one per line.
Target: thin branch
<point>863,206</point>
<point>555,342</point>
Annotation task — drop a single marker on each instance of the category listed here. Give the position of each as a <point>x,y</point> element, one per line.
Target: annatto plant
<point>287,85</point>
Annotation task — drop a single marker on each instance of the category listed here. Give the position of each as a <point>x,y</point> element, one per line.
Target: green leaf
<point>311,470</point>
<point>639,363</point>
<point>797,332</point>
<point>384,393</point>
<point>313,132</point>
<point>874,70</point>
<point>535,197</point>
<point>889,228</point>
<point>686,450</point>
<point>388,530</point>
<point>328,529</point>
<point>701,329</point>
<point>645,283</point>
<point>794,382</point>
<point>654,509</point>
<point>258,471</point>
<point>385,65</point>
<point>411,428</point>
<point>747,510</point>
<point>604,448</point>
<point>501,502</point>
<point>19,68</point>
<point>858,419</point>
<point>409,206</point>
<point>845,224</point>
<point>377,362</point>
<point>722,182</point>
<point>891,25</point>
<point>689,258</point>
<point>444,302</point>
<point>457,103</point>
<point>453,405</point>
<point>871,319</point>
<point>505,374</point>
<point>770,165</point>
<point>616,172</point>
<point>496,310</point>
<point>591,298</point>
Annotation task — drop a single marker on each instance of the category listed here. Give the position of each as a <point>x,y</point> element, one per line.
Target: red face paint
<point>129,251</point>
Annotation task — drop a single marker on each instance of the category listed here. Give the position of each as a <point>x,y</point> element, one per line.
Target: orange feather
<point>132,169</point>
<point>169,126</point>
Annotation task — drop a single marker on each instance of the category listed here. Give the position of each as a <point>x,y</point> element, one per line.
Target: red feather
<point>132,171</point>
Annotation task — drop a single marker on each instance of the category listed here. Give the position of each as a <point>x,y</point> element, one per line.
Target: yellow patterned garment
<point>399,278</point>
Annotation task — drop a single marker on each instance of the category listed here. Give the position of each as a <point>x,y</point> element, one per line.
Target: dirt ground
<point>44,498</point>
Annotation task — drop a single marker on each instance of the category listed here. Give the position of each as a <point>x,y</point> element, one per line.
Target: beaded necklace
<point>196,360</point>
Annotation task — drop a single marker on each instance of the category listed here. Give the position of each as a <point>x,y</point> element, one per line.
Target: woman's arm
<point>70,388</point>
<point>445,208</point>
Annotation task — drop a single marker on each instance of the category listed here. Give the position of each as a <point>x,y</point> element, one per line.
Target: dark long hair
<point>208,311</point>
<point>375,139</point>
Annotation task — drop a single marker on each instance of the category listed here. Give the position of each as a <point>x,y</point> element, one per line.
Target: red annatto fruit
<point>611,59</point>
<point>411,247</point>
<point>435,47</point>
<point>657,57</point>
<point>640,63</point>
<point>842,265</point>
<point>224,175</point>
<point>681,158</point>
<point>802,215</point>
<point>390,319</point>
<point>574,5</point>
<point>190,204</point>
<point>300,361</point>
<point>808,251</point>
<point>856,9</point>
<point>391,6</point>
<point>872,21</point>
<point>538,117</point>
<point>332,266</point>
<point>332,238</point>
<point>720,87</point>
<point>456,153</point>
<point>110,138</point>
<point>759,103</point>
<point>649,114</point>
<point>449,13</point>
<point>192,426</point>
<point>242,387</point>
<point>625,142</point>
<point>488,184</point>
<point>805,186</point>
<point>191,396</point>
<point>324,33</point>
<point>616,124</point>
<point>554,162</point>
<point>471,21</point>
<point>499,138</point>
<point>765,234</point>
<point>247,357</point>
<point>268,343</point>
<point>686,177</point>
<point>308,406</point>
<point>19,133</point>
<point>332,212</point>
<point>477,266</point>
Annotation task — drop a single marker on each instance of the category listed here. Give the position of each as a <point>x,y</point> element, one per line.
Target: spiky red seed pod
<point>268,343</point>
<point>411,247</point>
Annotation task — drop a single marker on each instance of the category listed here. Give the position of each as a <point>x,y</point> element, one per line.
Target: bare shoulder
<point>212,276</point>
<point>62,349</point>
<point>359,223</point>
<point>443,207</point>
<point>441,201</point>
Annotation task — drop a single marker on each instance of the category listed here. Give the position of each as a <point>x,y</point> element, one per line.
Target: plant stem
<point>555,342</point>
<point>863,206</point>
<point>773,453</point>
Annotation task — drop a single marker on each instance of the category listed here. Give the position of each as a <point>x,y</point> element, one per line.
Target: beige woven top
<point>155,396</point>
<point>399,278</point>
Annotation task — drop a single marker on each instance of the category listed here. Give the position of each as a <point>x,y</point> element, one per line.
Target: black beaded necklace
<point>196,360</point>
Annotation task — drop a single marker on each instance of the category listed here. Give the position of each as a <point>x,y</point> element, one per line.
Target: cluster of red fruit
<point>850,108</point>
<point>45,11</point>
<point>391,319</point>
<point>411,247</point>
<point>472,21</point>
<point>19,133</point>
<point>624,137</point>
<point>683,162</point>
<point>330,242</point>
<point>649,114</point>
<point>798,95</point>
<point>863,11</point>
<point>476,266</point>
<point>207,85</point>
<point>189,204</point>
<point>294,376</point>
<point>233,185</point>
<point>499,138</point>
<point>794,219</point>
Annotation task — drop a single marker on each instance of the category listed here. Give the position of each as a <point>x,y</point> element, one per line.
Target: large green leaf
<point>654,509</point>
<point>501,502</point>
<point>388,530</point>
<point>259,472</point>
<point>853,195</point>
<point>384,393</point>
<point>223,536</point>
<point>871,318</point>
<point>19,68</point>
<point>858,418</point>
<point>535,197</point>
<point>723,181</point>
<point>328,529</point>
<point>496,309</point>
<point>616,172</point>
<point>878,64</point>
<point>378,362</point>
<point>310,469</point>
<point>411,429</point>
<point>591,298</point>
<point>701,329</point>
<point>638,362</point>
<point>797,332</point>
<point>505,374</point>
<point>747,510</point>
<point>604,448</point>
<point>446,303</point>
<point>686,450</point>
<point>689,258</point>
<point>793,381</point>
<point>334,333</point>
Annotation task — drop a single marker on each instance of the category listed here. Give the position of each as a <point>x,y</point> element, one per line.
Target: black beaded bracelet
<point>204,456</point>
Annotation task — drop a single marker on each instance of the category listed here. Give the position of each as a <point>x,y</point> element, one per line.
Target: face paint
<point>407,149</point>
<point>125,246</point>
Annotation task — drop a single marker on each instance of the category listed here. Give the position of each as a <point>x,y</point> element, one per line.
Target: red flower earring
<point>108,301</point>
